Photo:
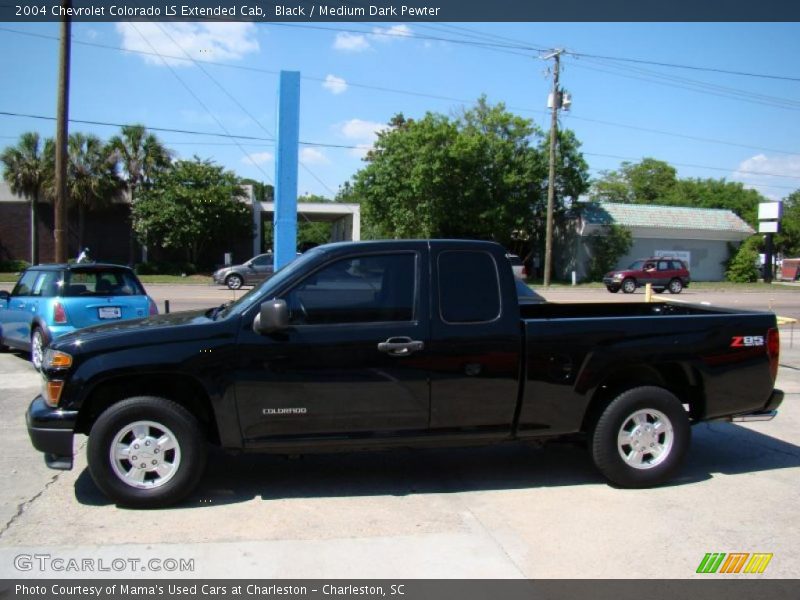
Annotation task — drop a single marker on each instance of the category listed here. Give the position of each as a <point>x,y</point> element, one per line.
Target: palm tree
<point>92,180</point>
<point>141,157</point>
<point>27,169</point>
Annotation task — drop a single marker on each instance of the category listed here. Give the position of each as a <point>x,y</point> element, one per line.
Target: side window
<point>356,290</point>
<point>26,283</point>
<point>46,284</point>
<point>265,260</point>
<point>469,287</point>
<point>677,265</point>
<point>663,265</point>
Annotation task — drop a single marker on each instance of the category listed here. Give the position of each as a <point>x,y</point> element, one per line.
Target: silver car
<point>257,269</point>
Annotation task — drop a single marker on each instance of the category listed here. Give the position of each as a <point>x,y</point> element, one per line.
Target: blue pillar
<point>287,144</point>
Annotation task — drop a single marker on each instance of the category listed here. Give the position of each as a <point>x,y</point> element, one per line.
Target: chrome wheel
<point>145,454</point>
<point>37,348</point>
<point>675,286</point>
<point>645,439</point>
<point>628,286</point>
<point>234,282</point>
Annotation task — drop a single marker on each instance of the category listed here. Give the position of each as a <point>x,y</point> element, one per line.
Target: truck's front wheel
<point>641,437</point>
<point>146,452</point>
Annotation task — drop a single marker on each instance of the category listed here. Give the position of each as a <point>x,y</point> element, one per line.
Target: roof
<point>72,266</point>
<point>665,217</point>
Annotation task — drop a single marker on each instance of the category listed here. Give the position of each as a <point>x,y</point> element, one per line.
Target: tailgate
<point>83,312</point>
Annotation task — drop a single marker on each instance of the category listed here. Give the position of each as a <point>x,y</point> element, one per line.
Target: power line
<point>410,93</point>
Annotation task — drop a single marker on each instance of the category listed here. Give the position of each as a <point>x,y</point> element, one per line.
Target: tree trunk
<point>81,226</point>
<point>34,230</point>
<point>132,240</point>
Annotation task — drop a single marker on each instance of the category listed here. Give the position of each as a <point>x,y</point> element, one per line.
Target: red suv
<point>663,272</point>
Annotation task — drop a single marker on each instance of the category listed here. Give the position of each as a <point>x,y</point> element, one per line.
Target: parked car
<point>406,343</point>
<point>257,269</point>
<point>51,300</point>
<point>662,272</point>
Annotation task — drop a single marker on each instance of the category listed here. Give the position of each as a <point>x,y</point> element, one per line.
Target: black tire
<point>675,286</point>
<point>184,463</point>
<point>38,344</point>
<point>612,289</point>
<point>629,286</point>
<point>616,422</point>
<point>234,281</point>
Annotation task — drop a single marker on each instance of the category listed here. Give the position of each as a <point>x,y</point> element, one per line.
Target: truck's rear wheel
<point>146,452</point>
<point>641,437</point>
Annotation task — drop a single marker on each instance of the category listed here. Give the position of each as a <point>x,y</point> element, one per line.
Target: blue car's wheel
<point>37,348</point>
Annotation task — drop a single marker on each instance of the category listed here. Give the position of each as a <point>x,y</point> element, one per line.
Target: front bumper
<point>51,431</point>
<point>612,282</point>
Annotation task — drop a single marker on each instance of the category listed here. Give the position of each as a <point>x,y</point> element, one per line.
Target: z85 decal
<point>747,341</point>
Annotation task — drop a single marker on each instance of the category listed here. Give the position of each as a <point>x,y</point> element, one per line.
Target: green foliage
<point>190,206</point>
<point>479,175</point>
<point>607,248</point>
<point>13,266</point>
<point>165,268</point>
<point>787,242</point>
<point>263,192</point>
<point>743,267</point>
<point>654,182</point>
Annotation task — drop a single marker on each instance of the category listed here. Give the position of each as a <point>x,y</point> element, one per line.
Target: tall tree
<point>142,156</point>
<point>645,182</point>
<point>26,170</point>
<point>191,206</point>
<point>478,175</point>
<point>92,179</point>
<point>788,240</point>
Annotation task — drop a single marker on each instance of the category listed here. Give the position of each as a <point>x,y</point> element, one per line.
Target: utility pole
<point>551,189</point>
<point>62,116</point>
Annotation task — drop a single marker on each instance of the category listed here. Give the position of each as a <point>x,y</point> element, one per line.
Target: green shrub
<point>742,268</point>
<point>13,266</point>
<point>606,250</point>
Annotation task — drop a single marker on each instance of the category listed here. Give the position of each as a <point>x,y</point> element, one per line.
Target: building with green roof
<point>700,236</point>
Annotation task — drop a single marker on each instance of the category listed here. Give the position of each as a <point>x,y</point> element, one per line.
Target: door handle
<point>400,346</point>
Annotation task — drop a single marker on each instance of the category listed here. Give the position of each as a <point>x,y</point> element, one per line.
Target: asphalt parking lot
<point>506,511</point>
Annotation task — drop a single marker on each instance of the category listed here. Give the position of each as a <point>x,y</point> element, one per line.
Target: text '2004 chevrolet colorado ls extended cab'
<point>397,344</point>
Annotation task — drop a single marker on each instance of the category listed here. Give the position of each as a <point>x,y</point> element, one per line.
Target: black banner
<point>714,588</point>
<point>298,11</point>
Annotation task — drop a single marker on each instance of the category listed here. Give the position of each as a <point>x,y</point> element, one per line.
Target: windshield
<point>275,282</point>
<point>636,265</point>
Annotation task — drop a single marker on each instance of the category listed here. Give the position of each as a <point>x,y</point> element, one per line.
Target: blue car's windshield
<point>275,282</point>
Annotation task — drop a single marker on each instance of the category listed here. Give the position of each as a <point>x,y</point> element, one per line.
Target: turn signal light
<point>53,392</point>
<point>59,360</point>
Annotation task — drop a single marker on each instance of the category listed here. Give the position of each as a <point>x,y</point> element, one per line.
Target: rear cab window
<point>469,287</point>
<point>100,282</point>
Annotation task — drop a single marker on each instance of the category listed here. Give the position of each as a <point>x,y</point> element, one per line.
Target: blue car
<point>51,300</point>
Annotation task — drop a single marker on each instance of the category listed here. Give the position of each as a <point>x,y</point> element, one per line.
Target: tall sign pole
<point>288,143</point>
<point>62,118</point>
<point>551,189</point>
<point>769,223</point>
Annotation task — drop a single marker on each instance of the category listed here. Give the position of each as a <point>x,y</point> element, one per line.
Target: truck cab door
<point>476,339</point>
<point>353,359</point>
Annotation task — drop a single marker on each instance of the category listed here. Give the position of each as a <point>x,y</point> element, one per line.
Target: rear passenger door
<point>475,340</point>
<point>664,273</point>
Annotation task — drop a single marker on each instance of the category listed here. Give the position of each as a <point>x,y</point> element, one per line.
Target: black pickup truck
<point>374,345</point>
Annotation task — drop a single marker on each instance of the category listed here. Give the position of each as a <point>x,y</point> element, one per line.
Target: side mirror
<point>273,316</point>
<point>5,296</point>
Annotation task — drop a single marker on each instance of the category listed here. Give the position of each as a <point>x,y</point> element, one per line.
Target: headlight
<point>617,275</point>
<point>55,359</point>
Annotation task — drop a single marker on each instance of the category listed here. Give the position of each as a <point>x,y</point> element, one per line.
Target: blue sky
<point>756,118</point>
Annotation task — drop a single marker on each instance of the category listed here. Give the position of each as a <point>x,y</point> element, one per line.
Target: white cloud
<point>390,34</point>
<point>357,129</point>
<point>363,133</point>
<point>200,41</point>
<point>763,173</point>
<point>350,42</point>
<point>312,156</point>
<point>336,85</point>
<point>258,158</point>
